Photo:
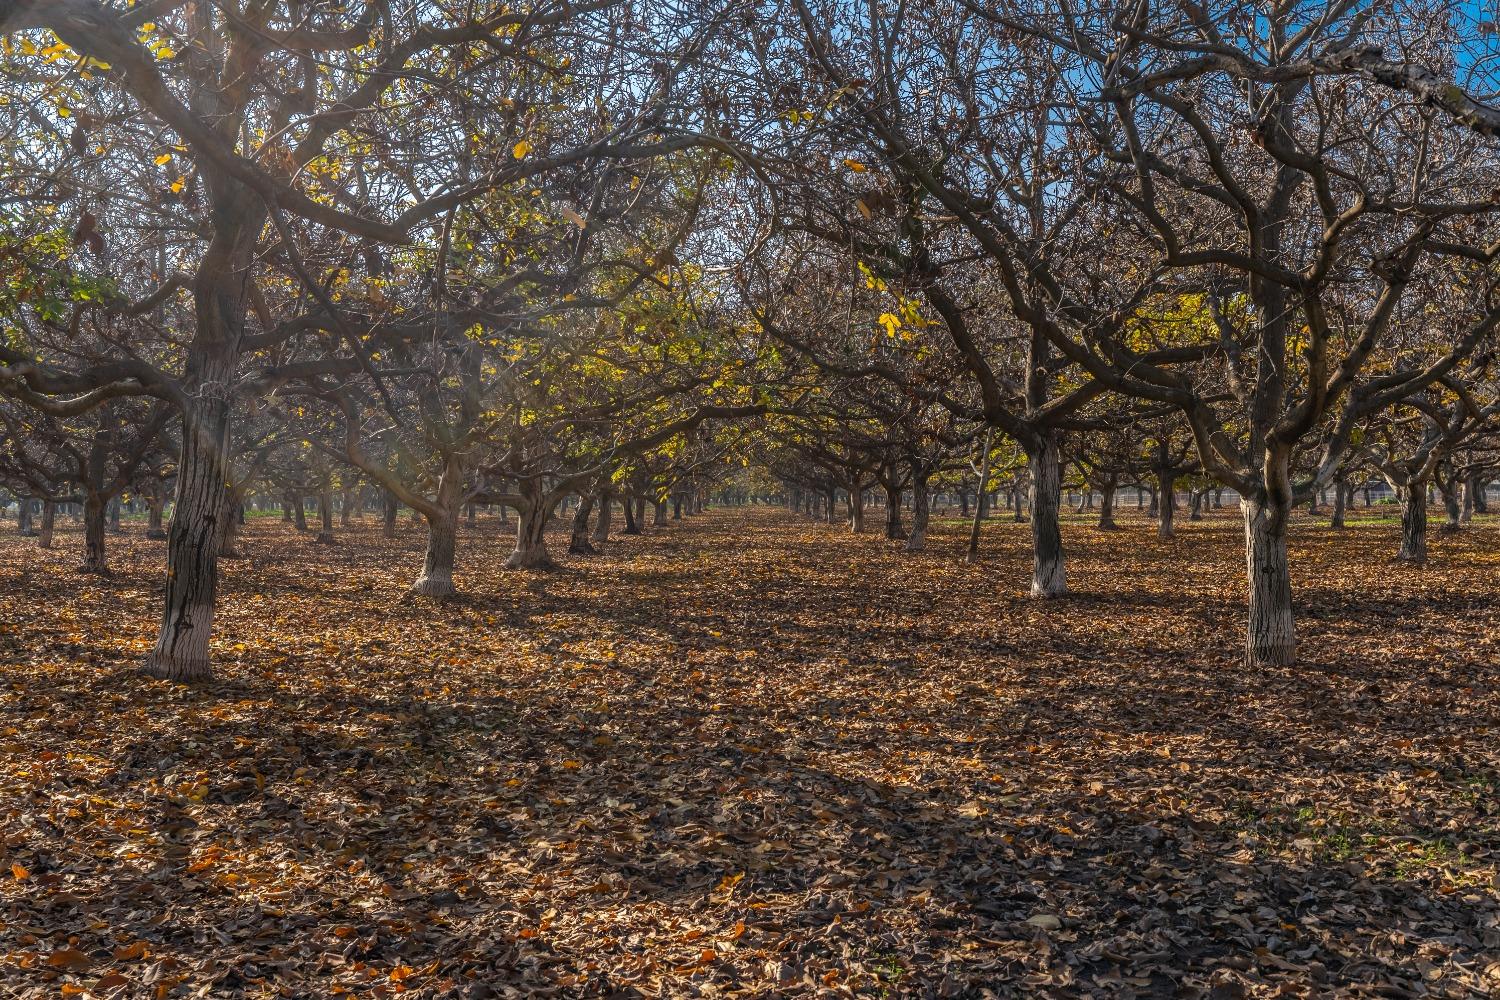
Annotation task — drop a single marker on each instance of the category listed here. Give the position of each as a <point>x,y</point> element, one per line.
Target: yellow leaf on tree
<point>520,149</point>
<point>164,159</point>
<point>855,166</point>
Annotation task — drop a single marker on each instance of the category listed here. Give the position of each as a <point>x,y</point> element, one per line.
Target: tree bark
<point>1451,509</point>
<point>916,541</point>
<point>49,520</point>
<point>894,530</point>
<point>392,507</point>
<point>154,530</point>
<point>325,514</point>
<point>578,543</point>
<point>659,514</point>
<point>23,517</point>
<point>1271,638</point>
<point>95,514</point>
<point>601,526</point>
<point>1168,504</point>
<point>1048,573</point>
<point>856,510</point>
<point>1340,497</point>
<point>1413,524</point>
<point>677,506</point>
<point>1107,507</point>
<point>442,545</point>
<point>531,524</point>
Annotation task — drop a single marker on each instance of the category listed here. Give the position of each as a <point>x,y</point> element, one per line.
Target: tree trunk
<point>894,531</point>
<point>632,526</point>
<point>578,543</point>
<point>659,514</point>
<point>1340,493</point>
<point>1481,502</point>
<point>1413,524</point>
<point>1271,638</point>
<point>1168,504</point>
<point>23,518</point>
<point>95,515</point>
<point>677,506</point>
<point>442,544</point>
<point>856,509</point>
<point>830,506</point>
<point>229,527</point>
<point>49,520</point>
<point>114,515</point>
<point>154,529</point>
<point>920,512</point>
<point>1107,507</point>
<point>1018,512</point>
<point>325,514</point>
<point>601,526</point>
<point>1048,575</point>
<point>531,524</point>
<point>1195,504</point>
<point>1451,509</point>
<point>392,507</point>
<point>299,513</point>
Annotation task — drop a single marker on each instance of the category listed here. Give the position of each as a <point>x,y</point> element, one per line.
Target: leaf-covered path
<point>747,755</point>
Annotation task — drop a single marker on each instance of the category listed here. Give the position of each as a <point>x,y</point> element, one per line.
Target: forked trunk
<point>531,523</point>
<point>442,543</point>
<point>49,520</point>
<point>95,515</point>
<point>920,510</point>
<point>1048,575</point>
<point>578,542</point>
<point>601,526</point>
<point>1271,638</point>
<point>1413,524</point>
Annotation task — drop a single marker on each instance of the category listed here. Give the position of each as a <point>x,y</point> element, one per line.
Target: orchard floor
<point>751,756</point>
